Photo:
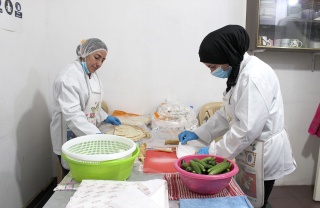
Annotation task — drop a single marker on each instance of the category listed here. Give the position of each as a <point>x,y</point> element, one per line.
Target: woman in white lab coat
<point>252,117</point>
<point>77,97</point>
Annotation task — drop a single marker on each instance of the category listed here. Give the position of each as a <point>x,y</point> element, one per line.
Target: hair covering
<point>90,46</point>
<point>226,45</point>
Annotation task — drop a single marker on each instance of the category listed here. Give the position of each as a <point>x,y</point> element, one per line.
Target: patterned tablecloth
<point>177,190</point>
<point>67,184</point>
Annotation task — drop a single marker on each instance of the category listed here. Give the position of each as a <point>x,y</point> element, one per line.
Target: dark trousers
<point>268,185</point>
<point>64,171</point>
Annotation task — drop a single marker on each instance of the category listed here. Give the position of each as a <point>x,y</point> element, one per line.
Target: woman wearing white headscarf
<point>251,120</point>
<point>77,97</point>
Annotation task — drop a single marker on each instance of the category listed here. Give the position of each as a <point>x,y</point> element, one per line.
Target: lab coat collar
<point>244,62</point>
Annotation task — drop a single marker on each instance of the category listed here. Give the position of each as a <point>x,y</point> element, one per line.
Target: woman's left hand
<point>203,150</point>
<point>112,120</point>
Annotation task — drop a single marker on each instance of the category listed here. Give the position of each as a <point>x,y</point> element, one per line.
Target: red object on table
<point>159,162</point>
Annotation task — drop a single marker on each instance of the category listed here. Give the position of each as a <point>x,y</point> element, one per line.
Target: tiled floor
<point>293,197</point>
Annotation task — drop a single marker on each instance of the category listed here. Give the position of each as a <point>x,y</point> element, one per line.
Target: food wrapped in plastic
<point>174,116</point>
<point>131,118</point>
<point>133,126</point>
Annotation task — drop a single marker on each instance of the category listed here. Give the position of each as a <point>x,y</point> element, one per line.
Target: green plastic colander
<point>119,169</point>
<point>98,147</point>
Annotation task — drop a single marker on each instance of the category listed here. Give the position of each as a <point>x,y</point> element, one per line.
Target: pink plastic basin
<point>205,184</point>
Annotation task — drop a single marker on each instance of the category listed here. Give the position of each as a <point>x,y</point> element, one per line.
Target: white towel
<point>120,194</point>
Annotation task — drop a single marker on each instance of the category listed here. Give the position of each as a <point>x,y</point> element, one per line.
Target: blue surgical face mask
<point>84,66</point>
<point>219,72</point>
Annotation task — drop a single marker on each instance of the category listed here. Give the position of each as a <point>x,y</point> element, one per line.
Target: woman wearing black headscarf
<point>251,120</point>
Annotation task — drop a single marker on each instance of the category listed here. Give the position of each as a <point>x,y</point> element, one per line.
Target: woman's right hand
<point>112,120</point>
<point>186,136</point>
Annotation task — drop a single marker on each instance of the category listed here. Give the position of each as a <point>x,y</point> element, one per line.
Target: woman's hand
<point>112,120</point>
<point>186,136</point>
<point>203,150</point>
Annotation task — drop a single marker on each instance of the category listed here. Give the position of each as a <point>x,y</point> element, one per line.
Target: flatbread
<point>135,133</point>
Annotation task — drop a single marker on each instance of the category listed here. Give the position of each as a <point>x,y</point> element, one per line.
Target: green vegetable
<point>206,165</point>
<point>206,159</point>
<point>219,168</point>
<point>184,166</point>
<point>189,169</point>
<point>195,167</point>
<point>202,168</point>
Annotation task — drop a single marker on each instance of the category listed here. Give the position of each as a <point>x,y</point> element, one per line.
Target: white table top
<point>60,199</point>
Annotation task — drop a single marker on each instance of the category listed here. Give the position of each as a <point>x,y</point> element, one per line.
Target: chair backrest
<point>207,110</point>
<point>104,106</point>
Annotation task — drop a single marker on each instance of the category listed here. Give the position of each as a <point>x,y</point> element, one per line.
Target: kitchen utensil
<point>205,184</point>
<point>295,43</point>
<point>315,44</point>
<point>98,147</point>
<point>159,162</point>
<point>119,169</point>
<point>262,41</point>
<point>285,42</point>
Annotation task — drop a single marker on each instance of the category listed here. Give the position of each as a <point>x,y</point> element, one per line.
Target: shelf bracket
<point>314,60</point>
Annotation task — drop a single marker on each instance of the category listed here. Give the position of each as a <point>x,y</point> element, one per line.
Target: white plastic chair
<point>104,106</point>
<point>207,111</point>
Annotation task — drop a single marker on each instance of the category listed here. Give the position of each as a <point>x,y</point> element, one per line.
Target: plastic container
<point>98,147</point>
<point>119,169</point>
<point>205,184</point>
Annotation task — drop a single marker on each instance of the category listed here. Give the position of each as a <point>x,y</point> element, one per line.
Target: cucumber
<point>206,165</point>
<point>184,166</point>
<point>189,169</point>
<point>202,168</point>
<point>195,167</point>
<point>206,159</point>
<point>212,162</point>
<point>219,168</point>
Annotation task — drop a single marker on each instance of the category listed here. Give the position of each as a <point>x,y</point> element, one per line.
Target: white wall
<point>153,47</point>
<point>25,148</point>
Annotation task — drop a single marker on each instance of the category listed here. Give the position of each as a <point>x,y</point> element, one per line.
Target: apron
<point>92,108</point>
<point>250,162</point>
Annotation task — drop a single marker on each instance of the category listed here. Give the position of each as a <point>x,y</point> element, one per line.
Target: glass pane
<point>289,24</point>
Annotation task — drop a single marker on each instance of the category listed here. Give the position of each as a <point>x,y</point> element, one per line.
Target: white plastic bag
<point>174,116</point>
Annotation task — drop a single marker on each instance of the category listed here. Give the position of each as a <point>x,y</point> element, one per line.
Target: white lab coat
<point>255,112</point>
<point>70,97</point>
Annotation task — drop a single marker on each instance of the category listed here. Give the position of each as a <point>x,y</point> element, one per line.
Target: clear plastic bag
<point>174,116</point>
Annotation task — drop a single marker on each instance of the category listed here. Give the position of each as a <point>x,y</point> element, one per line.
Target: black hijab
<point>226,45</point>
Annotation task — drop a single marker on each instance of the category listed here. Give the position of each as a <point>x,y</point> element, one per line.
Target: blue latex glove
<point>186,136</point>
<point>203,150</point>
<point>112,120</point>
